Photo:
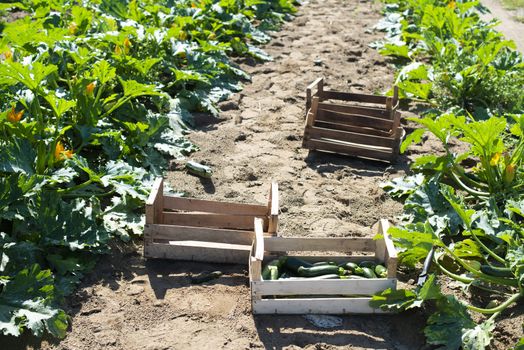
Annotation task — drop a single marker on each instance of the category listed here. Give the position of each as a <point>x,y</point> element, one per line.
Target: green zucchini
<point>205,277</point>
<point>368,273</point>
<point>367,263</point>
<point>269,270</point>
<point>320,263</point>
<point>293,264</point>
<point>199,169</point>
<point>331,276</point>
<point>496,271</point>
<point>350,266</point>
<point>381,271</point>
<point>319,270</point>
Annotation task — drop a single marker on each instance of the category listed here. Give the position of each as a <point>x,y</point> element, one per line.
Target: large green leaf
<point>17,156</point>
<point>26,301</point>
<point>448,324</point>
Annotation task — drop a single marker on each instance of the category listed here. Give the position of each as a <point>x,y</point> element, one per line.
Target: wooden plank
<point>284,244</point>
<point>255,268</point>
<point>319,85</point>
<point>347,136</point>
<point>353,97</point>
<point>310,120</point>
<point>396,120</point>
<point>395,97</point>
<point>360,110</point>
<point>339,259</point>
<point>154,202</point>
<point>321,287</point>
<point>315,306</point>
<point>354,119</point>
<point>380,249</point>
<point>391,252</point>
<point>273,205</point>
<point>351,128</point>
<point>198,251</point>
<point>244,222</point>
<point>201,205</point>
<point>185,233</point>
<point>350,149</point>
<point>259,240</point>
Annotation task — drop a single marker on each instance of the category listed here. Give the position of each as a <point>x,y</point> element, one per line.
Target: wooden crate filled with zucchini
<point>321,283</point>
<point>204,230</point>
<point>354,124</point>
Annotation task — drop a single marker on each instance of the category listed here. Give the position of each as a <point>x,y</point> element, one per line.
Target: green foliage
<point>453,59</point>
<point>464,203</point>
<point>93,97</point>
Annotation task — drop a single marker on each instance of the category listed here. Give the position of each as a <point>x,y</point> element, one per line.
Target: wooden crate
<point>347,296</point>
<point>363,125</point>
<point>203,230</point>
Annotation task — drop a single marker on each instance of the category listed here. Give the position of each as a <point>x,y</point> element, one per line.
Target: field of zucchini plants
<point>464,207</point>
<point>97,98</point>
<point>94,98</point>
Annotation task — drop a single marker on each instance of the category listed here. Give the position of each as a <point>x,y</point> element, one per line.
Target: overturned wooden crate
<point>362,125</point>
<point>203,230</point>
<point>328,296</point>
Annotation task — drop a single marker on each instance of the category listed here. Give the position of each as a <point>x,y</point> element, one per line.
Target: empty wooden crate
<point>319,296</point>
<point>203,230</point>
<point>359,125</point>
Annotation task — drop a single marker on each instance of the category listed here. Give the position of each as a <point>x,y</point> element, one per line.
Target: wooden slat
<point>353,97</point>
<point>244,222</point>
<point>185,233</point>
<point>319,85</point>
<point>201,205</point>
<point>395,97</point>
<point>154,202</point>
<point>284,244</point>
<point>396,120</point>
<point>273,205</point>
<point>391,253</point>
<point>346,136</point>
<point>351,128</point>
<point>354,119</point>
<point>321,287</point>
<point>349,109</point>
<point>353,150</point>
<point>199,251</point>
<point>255,269</point>
<point>259,240</point>
<point>315,306</point>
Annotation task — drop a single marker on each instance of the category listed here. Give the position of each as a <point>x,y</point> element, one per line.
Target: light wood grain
<point>314,306</point>
<point>353,137</point>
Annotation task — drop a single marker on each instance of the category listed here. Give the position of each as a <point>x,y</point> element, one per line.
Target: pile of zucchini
<point>288,267</point>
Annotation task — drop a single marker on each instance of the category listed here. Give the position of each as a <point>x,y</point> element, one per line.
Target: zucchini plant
<point>95,96</point>
<point>465,203</point>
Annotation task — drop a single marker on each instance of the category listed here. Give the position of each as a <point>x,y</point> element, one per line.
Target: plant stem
<point>504,281</point>
<point>498,309</point>
<point>75,188</point>
<point>456,277</point>
<point>483,246</point>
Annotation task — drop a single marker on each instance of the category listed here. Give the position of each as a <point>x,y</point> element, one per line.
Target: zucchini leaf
<point>26,301</point>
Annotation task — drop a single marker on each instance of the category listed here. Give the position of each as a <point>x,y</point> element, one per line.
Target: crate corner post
<point>154,209</point>
<point>273,209</point>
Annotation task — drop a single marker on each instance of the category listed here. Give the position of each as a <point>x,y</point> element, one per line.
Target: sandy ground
<point>131,303</point>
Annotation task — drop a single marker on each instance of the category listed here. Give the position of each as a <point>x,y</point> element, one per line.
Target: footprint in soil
<point>245,174</point>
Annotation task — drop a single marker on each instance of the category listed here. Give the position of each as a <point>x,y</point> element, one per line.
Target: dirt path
<point>511,28</point>
<point>130,303</point>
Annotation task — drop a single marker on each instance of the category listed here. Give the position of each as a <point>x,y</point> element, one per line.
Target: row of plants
<point>95,97</point>
<point>463,206</point>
